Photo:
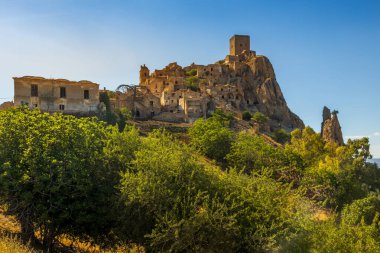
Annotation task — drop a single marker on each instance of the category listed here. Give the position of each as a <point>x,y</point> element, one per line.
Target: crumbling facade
<point>331,130</point>
<point>56,95</point>
<point>243,81</point>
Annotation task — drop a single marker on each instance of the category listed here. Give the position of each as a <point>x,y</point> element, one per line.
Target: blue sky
<point>323,52</point>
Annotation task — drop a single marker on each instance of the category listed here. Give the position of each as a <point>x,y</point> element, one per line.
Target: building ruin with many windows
<point>56,95</point>
<point>242,81</point>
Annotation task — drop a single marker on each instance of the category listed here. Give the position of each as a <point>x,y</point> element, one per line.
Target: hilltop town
<point>242,82</point>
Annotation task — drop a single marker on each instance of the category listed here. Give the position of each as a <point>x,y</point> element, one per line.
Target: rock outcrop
<point>260,86</point>
<point>331,130</point>
<point>6,105</point>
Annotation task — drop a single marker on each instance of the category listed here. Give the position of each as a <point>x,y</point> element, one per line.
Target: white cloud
<point>354,137</point>
<point>374,134</point>
<point>375,151</point>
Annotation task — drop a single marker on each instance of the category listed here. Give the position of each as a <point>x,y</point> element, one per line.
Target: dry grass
<point>8,223</point>
<point>12,244</point>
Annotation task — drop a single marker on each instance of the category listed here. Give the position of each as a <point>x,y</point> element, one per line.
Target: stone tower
<point>331,130</point>
<point>239,43</point>
<point>144,74</point>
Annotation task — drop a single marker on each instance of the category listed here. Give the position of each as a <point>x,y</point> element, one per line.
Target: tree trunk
<point>27,230</point>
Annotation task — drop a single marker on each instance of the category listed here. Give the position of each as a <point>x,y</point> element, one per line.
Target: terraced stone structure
<point>243,81</point>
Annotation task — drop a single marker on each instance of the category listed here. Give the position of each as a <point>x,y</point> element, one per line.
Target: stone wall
<point>239,43</point>
<point>53,95</point>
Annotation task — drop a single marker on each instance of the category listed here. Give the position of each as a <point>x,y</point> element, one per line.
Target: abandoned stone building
<point>56,95</point>
<point>243,81</point>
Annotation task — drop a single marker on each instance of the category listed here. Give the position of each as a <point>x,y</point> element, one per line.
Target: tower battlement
<point>239,43</point>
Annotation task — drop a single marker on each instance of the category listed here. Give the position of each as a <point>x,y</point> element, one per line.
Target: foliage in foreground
<point>9,244</point>
<point>58,175</point>
<point>82,178</point>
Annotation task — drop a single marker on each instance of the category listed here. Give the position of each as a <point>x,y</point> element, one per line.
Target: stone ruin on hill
<point>243,81</point>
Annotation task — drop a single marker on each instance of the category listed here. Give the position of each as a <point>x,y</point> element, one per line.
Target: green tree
<point>211,137</point>
<point>250,152</point>
<point>54,176</point>
<point>176,203</point>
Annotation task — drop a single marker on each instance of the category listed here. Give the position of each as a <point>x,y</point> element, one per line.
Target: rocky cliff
<point>258,80</point>
<point>331,130</point>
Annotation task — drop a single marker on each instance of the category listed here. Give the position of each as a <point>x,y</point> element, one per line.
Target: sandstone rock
<point>331,130</point>
<point>261,87</point>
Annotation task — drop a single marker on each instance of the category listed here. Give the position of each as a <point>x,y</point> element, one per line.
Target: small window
<point>34,90</point>
<point>172,101</point>
<point>61,107</point>
<point>86,94</point>
<point>151,103</point>
<point>247,102</point>
<point>223,96</point>
<point>35,105</point>
<point>221,89</point>
<point>63,92</point>
<point>212,69</point>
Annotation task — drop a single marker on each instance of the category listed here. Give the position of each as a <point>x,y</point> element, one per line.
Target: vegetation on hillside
<point>221,192</point>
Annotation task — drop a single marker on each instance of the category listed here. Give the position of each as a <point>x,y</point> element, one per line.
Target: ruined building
<point>56,95</point>
<point>331,130</point>
<point>243,81</point>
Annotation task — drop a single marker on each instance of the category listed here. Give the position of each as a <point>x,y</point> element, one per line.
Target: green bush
<point>211,137</point>
<point>281,136</point>
<point>247,116</point>
<point>176,204</point>
<point>192,83</point>
<point>260,118</point>
<point>192,72</point>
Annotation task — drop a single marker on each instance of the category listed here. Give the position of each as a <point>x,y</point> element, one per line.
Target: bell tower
<point>144,74</point>
<point>239,43</point>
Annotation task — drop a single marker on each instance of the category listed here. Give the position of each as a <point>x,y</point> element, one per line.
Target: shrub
<point>259,118</point>
<point>174,203</point>
<point>281,136</point>
<point>192,72</point>
<point>192,83</point>
<point>247,116</point>
<point>211,138</point>
<point>250,152</point>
